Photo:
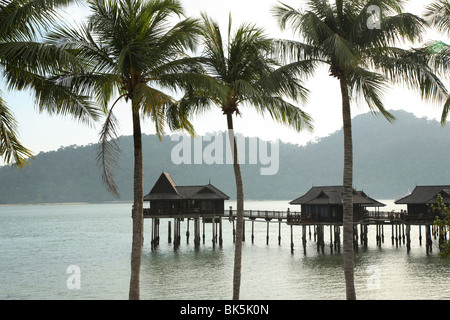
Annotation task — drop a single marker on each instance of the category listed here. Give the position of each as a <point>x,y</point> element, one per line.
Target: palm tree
<point>24,63</point>
<point>132,51</point>
<point>357,41</point>
<point>242,63</point>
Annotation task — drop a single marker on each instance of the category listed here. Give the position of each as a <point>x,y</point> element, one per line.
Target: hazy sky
<point>40,132</point>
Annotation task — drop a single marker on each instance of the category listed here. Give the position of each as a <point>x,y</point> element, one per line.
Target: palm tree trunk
<point>240,211</point>
<point>347,193</point>
<point>138,211</point>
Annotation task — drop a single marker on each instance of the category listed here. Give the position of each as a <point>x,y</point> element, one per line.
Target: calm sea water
<point>39,243</point>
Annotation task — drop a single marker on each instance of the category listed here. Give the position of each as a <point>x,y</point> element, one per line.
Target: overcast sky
<point>40,132</point>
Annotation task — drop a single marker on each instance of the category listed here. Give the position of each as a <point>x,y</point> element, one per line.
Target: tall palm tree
<point>357,41</point>
<point>24,63</point>
<point>243,64</point>
<point>132,49</point>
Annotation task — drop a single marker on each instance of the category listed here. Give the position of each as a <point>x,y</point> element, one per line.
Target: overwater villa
<point>324,205</point>
<point>419,210</point>
<point>169,200</point>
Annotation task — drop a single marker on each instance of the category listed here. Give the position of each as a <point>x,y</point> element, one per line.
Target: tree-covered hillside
<point>390,159</point>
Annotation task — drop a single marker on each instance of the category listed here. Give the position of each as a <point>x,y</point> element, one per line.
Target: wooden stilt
<point>403,233</point>
<point>267,233</point>
<point>187,231</point>
<point>159,220</point>
<point>279,232</point>
<point>196,233</point>
<point>220,232</point>
<point>169,232</point>
<point>292,239</point>
<point>429,242</point>
<point>335,237</point>
<point>408,238</point>
<point>317,238</point>
<point>420,235</point>
<point>152,245</point>
<point>213,232</point>
<point>234,232</point>
<point>175,233</point>
<point>203,234</point>
<point>380,234</point>
<point>396,235</point>
<point>179,232</point>
<point>377,236</point>
<point>392,237</point>
<point>366,240</point>
<point>304,239</point>
<point>253,230</point>
<point>320,239</point>
<point>243,230</point>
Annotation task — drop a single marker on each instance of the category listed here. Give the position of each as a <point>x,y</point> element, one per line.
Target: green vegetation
<point>390,159</point>
<point>443,223</point>
<point>25,63</point>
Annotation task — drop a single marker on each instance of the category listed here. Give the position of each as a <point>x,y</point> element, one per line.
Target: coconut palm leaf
<point>10,147</point>
<point>29,65</point>
<point>25,18</point>
<point>438,14</point>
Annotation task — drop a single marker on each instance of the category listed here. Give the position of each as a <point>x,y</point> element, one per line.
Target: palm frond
<point>10,148</point>
<point>214,51</point>
<point>395,29</point>
<point>152,103</point>
<point>413,70</point>
<point>438,14</point>
<point>371,86</point>
<point>445,111</point>
<point>24,19</point>
<point>286,113</point>
<point>108,153</point>
<point>39,58</point>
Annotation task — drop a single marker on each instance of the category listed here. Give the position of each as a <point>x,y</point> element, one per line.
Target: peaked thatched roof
<point>166,189</point>
<point>332,195</point>
<point>426,195</point>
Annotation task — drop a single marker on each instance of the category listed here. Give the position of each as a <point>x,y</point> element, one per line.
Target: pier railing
<point>384,215</point>
<point>288,216</point>
<point>262,214</point>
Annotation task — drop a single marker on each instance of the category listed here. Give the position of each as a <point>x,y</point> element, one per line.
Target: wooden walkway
<point>400,227</point>
<point>290,217</point>
<point>294,217</point>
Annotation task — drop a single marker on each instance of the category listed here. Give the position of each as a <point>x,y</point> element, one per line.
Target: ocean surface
<point>82,251</point>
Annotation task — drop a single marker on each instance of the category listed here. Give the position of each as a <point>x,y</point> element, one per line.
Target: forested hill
<point>390,159</point>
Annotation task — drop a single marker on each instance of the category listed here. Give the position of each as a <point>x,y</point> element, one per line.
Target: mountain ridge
<point>389,160</point>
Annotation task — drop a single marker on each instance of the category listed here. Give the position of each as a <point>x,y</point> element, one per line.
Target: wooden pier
<point>320,207</point>
<point>400,229</point>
